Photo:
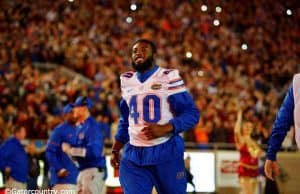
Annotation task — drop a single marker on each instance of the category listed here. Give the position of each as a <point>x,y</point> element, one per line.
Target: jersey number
<point>150,109</point>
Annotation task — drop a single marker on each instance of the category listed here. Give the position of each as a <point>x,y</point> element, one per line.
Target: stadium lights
<point>216,22</point>
<point>188,54</point>
<point>244,46</point>
<point>133,7</point>
<point>204,8</point>
<point>289,12</point>
<point>129,20</point>
<point>218,9</point>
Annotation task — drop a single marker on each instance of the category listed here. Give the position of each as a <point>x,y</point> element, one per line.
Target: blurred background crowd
<point>231,54</point>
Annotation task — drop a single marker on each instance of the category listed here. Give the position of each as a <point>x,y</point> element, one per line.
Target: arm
<point>122,136</point>
<point>282,124</point>
<point>5,150</point>
<point>237,131</point>
<point>53,146</point>
<point>185,111</point>
<point>284,120</point>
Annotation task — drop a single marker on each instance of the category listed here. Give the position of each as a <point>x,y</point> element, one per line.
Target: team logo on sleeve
<point>156,86</point>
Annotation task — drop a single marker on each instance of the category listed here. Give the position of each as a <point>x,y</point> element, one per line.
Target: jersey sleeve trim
<point>176,87</point>
<point>174,81</point>
<point>128,74</point>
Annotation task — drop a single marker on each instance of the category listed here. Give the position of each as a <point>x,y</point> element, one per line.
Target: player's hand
<point>271,169</point>
<point>115,159</point>
<point>62,173</point>
<point>115,154</point>
<point>66,148</point>
<point>152,130</point>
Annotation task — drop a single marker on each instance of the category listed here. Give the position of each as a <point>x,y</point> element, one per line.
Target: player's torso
<point>82,134</point>
<point>86,131</point>
<point>148,103</point>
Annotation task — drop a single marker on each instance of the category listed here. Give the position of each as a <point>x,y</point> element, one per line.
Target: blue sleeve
<point>282,124</point>
<point>94,146</point>
<point>122,132</point>
<point>186,113</point>
<point>5,149</point>
<point>53,147</point>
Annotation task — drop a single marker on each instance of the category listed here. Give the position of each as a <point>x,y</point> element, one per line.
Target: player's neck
<point>148,69</point>
<point>146,74</point>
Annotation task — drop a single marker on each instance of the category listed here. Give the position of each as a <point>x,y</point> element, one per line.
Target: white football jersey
<point>296,95</point>
<point>148,102</point>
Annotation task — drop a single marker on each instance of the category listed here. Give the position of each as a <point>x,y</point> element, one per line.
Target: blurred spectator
<point>250,153</point>
<point>14,161</point>
<point>202,132</point>
<point>34,166</point>
<point>63,170</point>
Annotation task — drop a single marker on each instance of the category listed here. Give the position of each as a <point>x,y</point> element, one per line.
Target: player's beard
<point>142,67</point>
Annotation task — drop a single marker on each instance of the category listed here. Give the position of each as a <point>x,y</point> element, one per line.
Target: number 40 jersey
<point>148,102</point>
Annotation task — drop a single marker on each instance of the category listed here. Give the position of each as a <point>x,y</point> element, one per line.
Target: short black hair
<point>152,44</point>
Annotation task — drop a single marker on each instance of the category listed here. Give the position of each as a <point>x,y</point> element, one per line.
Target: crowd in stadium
<point>240,56</point>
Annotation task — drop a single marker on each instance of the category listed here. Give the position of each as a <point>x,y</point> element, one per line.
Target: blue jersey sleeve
<point>186,113</point>
<point>282,124</point>
<point>94,146</point>
<point>53,146</point>
<point>122,132</point>
<point>5,149</point>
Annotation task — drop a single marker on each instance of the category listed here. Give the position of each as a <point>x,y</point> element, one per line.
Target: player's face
<point>142,56</point>
<point>78,112</point>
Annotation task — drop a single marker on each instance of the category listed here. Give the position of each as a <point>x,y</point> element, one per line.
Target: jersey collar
<point>142,77</point>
